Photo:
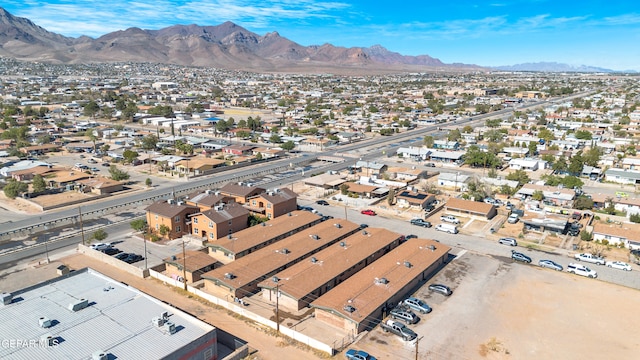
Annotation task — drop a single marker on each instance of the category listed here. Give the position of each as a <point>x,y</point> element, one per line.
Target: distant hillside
<point>552,67</point>
<point>223,46</point>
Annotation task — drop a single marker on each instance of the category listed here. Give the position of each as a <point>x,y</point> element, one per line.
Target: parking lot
<point>501,309</point>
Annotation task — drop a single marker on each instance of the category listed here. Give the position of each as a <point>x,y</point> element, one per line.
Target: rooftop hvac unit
<point>208,191</point>
<point>173,258</point>
<point>7,298</point>
<point>170,327</point>
<point>263,224</point>
<point>229,276</point>
<point>171,201</point>
<point>349,308</point>
<point>315,237</point>
<point>180,203</point>
<point>433,248</point>
<point>79,305</point>
<point>289,214</point>
<point>364,232</point>
<point>230,236</point>
<point>158,321</point>
<point>285,250</point>
<point>407,264</point>
<point>45,322</point>
<point>216,193</point>
<point>99,355</point>
<point>314,260</point>
<point>164,315</point>
<point>343,244</point>
<point>48,340</point>
<point>382,281</point>
<point>338,225</point>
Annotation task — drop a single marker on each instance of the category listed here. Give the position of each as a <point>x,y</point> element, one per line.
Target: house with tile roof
<point>192,264</point>
<point>471,208</point>
<point>207,199</point>
<point>273,203</point>
<point>173,215</point>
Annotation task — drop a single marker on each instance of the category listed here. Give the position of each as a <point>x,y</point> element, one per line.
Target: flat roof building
<point>246,241</point>
<point>241,277</point>
<point>359,303</point>
<point>310,279</point>
<point>87,315</point>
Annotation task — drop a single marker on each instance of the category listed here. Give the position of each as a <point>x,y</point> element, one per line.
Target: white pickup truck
<point>399,329</point>
<point>450,219</point>
<point>586,257</point>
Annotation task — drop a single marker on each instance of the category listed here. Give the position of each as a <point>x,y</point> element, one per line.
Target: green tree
<point>592,156</point>
<point>149,142</point>
<point>583,135</point>
<point>38,184</point>
<point>428,141</point>
<point>288,146</point>
<point>533,148</point>
<point>130,156</point>
<point>537,195</point>
<point>583,203</point>
<point>99,235</point>
<point>576,164</point>
<point>130,111</point>
<point>493,123</point>
<point>391,196</point>
<point>164,230</point>
<point>546,135</point>
<point>91,109</point>
<point>344,189</point>
<point>275,139</point>
<point>14,188</point>
<point>611,206</point>
<point>148,182</point>
<point>454,135</point>
<point>520,176</point>
<point>139,224</point>
<point>117,174</point>
<point>90,133</point>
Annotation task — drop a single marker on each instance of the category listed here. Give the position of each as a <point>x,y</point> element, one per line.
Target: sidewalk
<point>262,342</point>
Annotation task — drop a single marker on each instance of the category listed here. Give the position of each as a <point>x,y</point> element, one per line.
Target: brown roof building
<point>241,192</point>
<point>208,199</point>
<point>219,221</point>
<point>196,263</point>
<point>256,237</point>
<point>469,207</point>
<point>273,203</point>
<point>241,277</point>
<point>173,215</point>
<point>360,302</point>
<point>100,185</point>
<point>307,280</point>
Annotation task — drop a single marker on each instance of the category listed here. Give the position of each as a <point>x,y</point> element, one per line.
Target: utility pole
<point>144,238</point>
<point>276,280</point>
<point>417,342</point>
<point>184,267</point>
<point>81,224</point>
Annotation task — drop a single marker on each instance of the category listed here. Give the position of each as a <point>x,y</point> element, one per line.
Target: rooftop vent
<point>173,258</point>
<point>170,328</point>
<point>230,236</point>
<point>315,237</point>
<point>79,305</point>
<point>314,260</point>
<point>433,248</point>
<point>180,203</point>
<point>45,322</point>
<point>208,191</point>
<point>382,281</point>
<point>171,201</point>
<point>263,224</point>
<point>364,232</point>
<point>338,225</point>
<point>285,251</point>
<point>49,340</point>
<point>349,308</point>
<point>229,276</point>
<point>343,244</point>
<point>99,355</point>
<point>7,298</point>
<point>217,192</point>
<point>158,321</point>
<point>407,264</point>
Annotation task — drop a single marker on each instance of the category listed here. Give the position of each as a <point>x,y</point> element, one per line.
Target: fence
<point>241,310</point>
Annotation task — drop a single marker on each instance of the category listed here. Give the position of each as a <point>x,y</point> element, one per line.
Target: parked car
<point>122,256</point>
<point>133,258</point>
<point>353,354</point>
<point>368,212</point>
<point>450,219</point>
<point>100,246</point>
<point>448,228</point>
<point>518,256</point>
<point>400,313</point>
<point>105,164</point>
<point>417,305</point>
<point>111,251</point>
<point>508,241</point>
<point>420,222</point>
<point>619,265</point>
<point>442,289</point>
<point>550,264</point>
<point>399,329</point>
<point>582,270</point>
<point>513,218</point>
<point>322,202</point>
<point>92,161</point>
<point>509,206</point>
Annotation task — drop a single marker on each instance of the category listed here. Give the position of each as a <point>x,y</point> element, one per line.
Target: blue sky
<point>488,33</point>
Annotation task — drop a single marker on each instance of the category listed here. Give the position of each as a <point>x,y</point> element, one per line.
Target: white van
<point>448,228</point>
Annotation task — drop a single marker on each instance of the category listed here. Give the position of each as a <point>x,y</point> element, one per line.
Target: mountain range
<point>226,46</point>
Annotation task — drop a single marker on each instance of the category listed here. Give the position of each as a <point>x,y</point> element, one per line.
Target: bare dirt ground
<point>502,310</point>
<point>16,206</point>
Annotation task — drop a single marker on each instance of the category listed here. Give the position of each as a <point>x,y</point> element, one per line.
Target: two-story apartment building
<point>240,192</point>
<point>219,221</point>
<point>273,203</point>
<point>173,215</point>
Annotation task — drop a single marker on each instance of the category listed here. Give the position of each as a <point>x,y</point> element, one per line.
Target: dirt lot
<point>501,310</point>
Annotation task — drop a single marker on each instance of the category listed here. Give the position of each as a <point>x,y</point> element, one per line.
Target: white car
<point>619,265</point>
<point>100,246</point>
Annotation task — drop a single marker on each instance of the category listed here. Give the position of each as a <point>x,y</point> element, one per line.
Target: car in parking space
<point>448,228</point>
<point>133,258</point>
<point>550,264</point>
<point>368,212</point>
<point>420,222</point>
<point>353,354</point>
<point>442,289</point>
<point>105,164</point>
<point>619,265</point>
<point>406,315</point>
<point>417,305</point>
<point>508,241</point>
<point>518,256</point>
<point>122,256</point>
<point>322,202</point>
<point>450,219</point>
<point>582,270</point>
<point>100,246</point>
<point>111,251</point>
<point>513,218</point>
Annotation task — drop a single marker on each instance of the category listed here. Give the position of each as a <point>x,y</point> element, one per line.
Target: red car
<point>368,212</point>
